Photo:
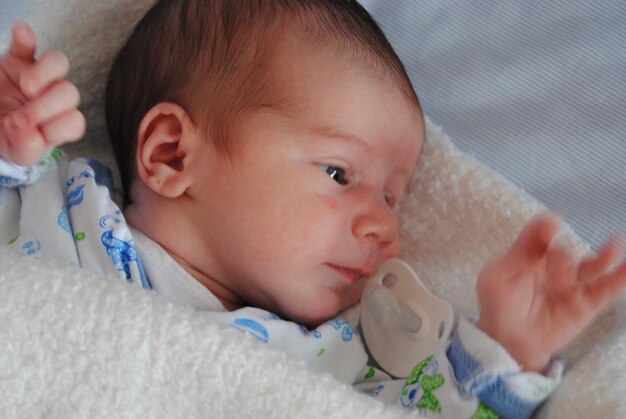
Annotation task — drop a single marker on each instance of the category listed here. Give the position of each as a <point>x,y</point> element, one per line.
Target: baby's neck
<point>167,229</point>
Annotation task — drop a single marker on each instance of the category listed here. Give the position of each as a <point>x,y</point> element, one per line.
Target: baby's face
<point>306,208</point>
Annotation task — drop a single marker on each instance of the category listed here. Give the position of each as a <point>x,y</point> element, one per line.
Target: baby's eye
<point>336,173</point>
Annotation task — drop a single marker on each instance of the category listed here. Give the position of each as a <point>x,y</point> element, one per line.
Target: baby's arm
<point>537,297</point>
<point>37,106</point>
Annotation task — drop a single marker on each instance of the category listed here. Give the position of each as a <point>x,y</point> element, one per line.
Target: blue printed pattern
<point>64,220</point>
<point>378,390</point>
<point>254,328</point>
<point>9,182</point>
<point>31,248</point>
<point>306,332</point>
<point>76,196</point>
<point>260,332</point>
<point>122,253</point>
<point>347,332</point>
<point>13,176</point>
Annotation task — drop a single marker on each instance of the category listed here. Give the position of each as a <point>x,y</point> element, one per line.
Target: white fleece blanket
<point>73,344</point>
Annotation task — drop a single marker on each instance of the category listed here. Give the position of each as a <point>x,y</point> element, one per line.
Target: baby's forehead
<point>294,52</point>
<point>339,95</point>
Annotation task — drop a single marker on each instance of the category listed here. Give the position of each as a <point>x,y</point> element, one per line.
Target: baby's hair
<point>211,56</point>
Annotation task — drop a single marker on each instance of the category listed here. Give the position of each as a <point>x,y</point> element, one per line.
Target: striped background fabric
<point>534,89</point>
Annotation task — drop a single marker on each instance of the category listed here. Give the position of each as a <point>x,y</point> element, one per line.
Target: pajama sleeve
<point>484,369</point>
<point>63,210</point>
<point>14,176</point>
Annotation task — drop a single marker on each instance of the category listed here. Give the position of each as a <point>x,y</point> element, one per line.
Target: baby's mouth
<point>351,275</point>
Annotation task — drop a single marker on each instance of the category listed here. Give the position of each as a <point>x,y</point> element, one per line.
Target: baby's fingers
<point>21,51</point>
<point>25,146</point>
<point>61,97</point>
<point>67,127</point>
<point>591,268</point>
<point>536,236</point>
<point>51,66</point>
<point>23,43</point>
<point>608,286</point>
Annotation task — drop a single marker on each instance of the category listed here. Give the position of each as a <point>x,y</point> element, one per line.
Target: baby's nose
<point>379,223</point>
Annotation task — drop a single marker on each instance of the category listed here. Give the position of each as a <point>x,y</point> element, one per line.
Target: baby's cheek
<point>336,220</point>
<point>333,206</point>
<point>329,206</point>
<point>321,222</point>
<point>320,212</point>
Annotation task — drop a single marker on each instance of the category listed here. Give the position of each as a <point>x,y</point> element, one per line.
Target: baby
<point>264,147</point>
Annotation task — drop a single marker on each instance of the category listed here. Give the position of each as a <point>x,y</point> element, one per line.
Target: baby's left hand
<point>538,296</point>
<point>38,107</point>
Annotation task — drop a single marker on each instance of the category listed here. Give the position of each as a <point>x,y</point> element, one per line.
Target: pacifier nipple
<point>387,312</point>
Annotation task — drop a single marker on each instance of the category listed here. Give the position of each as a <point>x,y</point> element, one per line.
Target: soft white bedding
<point>76,345</point>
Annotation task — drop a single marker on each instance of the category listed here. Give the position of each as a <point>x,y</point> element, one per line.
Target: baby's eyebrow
<point>334,133</point>
<point>356,141</point>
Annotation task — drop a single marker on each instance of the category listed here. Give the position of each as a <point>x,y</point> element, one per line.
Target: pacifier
<point>402,321</point>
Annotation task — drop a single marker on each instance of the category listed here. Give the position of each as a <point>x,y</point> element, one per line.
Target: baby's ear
<point>165,144</point>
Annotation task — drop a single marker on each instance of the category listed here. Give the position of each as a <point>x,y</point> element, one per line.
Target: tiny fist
<point>29,87</point>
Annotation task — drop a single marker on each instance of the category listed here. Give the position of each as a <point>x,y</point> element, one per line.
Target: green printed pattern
<point>484,412</point>
<point>429,384</point>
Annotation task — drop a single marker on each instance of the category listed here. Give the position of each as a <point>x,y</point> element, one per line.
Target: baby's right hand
<point>38,108</point>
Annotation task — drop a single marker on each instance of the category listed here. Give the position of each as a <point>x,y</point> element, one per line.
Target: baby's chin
<point>310,321</point>
<point>312,315</point>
